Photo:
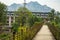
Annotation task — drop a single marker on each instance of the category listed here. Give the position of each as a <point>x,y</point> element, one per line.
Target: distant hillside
<point>32,6</point>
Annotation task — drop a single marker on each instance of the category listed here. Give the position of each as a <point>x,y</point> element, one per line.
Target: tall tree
<point>51,15</point>
<point>23,16</point>
<point>21,19</point>
<point>3,9</point>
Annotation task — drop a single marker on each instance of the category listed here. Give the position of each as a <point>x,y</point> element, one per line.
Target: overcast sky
<point>51,3</point>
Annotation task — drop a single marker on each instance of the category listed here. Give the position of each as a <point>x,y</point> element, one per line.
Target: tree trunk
<point>14,35</point>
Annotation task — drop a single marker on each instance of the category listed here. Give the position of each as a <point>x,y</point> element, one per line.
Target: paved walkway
<point>44,34</point>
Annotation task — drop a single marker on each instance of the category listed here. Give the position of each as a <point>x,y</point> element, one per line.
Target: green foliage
<point>5,36</point>
<point>55,27</point>
<point>24,18</point>
<point>55,19</point>
<point>3,9</point>
<point>51,15</point>
<point>23,27</point>
<point>23,15</point>
<point>15,27</point>
<point>27,33</point>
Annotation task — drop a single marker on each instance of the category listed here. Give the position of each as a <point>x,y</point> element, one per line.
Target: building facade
<point>11,17</point>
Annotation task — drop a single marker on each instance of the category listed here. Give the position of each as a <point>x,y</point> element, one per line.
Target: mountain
<point>14,7</point>
<point>32,6</point>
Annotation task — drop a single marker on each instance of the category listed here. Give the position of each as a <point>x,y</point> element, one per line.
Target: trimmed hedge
<point>28,33</point>
<point>55,31</point>
<point>35,28</point>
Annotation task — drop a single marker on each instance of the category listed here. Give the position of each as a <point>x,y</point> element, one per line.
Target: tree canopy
<point>51,15</point>
<point>3,9</point>
<point>23,16</point>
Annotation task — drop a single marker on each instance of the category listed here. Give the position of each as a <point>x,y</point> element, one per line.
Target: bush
<point>27,33</point>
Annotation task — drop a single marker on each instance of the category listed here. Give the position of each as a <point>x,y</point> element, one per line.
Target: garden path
<point>44,34</point>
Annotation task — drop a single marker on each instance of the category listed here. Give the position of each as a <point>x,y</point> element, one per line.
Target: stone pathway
<point>44,34</point>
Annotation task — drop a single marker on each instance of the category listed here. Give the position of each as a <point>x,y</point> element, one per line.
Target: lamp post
<point>24,3</point>
<point>25,13</point>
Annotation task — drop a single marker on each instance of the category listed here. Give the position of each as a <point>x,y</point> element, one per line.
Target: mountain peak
<point>14,4</point>
<point>44,5</point>
<point>32,6</point>
<point>35,2</point>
